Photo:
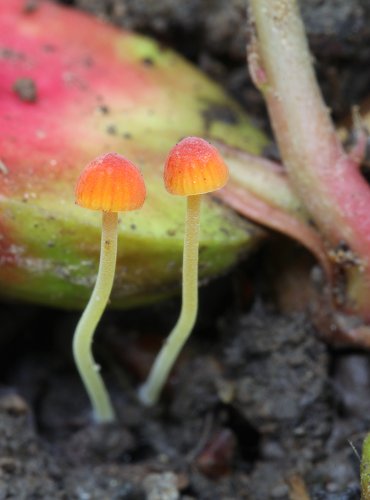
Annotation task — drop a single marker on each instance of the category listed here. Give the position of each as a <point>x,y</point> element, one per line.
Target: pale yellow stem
<point>82,340</point>
<point>150,391</point>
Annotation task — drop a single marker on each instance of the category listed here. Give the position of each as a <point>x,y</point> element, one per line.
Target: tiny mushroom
<point>111,184</point>
<point>193,167</point>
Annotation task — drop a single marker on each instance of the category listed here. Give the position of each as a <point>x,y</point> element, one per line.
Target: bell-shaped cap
<point>193,167</point>
<point>112,184</point>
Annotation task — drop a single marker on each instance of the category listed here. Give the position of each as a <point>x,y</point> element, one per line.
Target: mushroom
<point>193,167</point>
<point>112,184</point>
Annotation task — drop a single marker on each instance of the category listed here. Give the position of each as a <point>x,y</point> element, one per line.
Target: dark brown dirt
<point>258,408</point>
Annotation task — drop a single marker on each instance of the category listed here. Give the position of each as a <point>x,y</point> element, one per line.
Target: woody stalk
<point>326,178</point>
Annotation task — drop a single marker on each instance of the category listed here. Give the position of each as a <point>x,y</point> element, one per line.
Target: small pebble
<point>13,404</point>
<point>161,486</point>
<point>8,464</point>
<point>280,491</point>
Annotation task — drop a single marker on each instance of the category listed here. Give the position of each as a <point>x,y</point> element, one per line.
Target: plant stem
<point>150,391</point>
<point>82,341</point>
<point>365,469</point>
<point>325,178</point>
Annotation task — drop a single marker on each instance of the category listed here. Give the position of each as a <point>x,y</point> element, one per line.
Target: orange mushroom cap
<point>193,167</point>
<point>112,184</point>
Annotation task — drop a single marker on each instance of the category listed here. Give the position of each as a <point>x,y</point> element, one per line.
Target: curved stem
<point>149,392</point>
<point>365,469</point>
<point>327,180</point>
<point>82,340</point>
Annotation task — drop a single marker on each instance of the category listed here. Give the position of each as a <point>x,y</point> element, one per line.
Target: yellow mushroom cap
<point>193,167</point>
<point>112,184</point>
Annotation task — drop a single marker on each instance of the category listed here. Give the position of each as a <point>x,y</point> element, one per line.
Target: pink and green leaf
<point>97,89</point>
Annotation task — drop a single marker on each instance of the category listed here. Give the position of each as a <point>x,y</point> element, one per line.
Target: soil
<point>258,407</point>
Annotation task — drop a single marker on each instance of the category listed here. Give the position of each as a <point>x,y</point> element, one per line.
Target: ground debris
<point>161,486</point>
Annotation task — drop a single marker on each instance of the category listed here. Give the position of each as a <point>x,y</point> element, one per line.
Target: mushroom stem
<point>82,340</point>
<point>150,391</point>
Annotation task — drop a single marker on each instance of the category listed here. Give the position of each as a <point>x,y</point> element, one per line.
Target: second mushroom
<point>193,167</point>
